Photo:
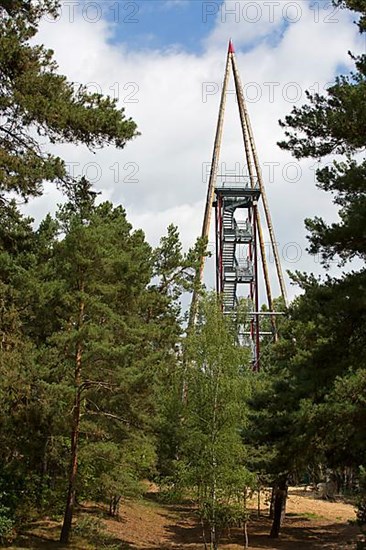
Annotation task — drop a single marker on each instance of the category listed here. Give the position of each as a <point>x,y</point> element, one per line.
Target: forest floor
<point>311,524</point>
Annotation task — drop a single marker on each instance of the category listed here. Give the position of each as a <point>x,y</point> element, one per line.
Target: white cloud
<point>244,21</point>
<point>163,92</point>
<point>169,4</point>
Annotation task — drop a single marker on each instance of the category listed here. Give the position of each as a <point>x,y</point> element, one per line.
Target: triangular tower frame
<point>228,196</point>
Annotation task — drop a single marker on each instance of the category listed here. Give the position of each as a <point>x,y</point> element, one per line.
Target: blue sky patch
<point>161,24</point>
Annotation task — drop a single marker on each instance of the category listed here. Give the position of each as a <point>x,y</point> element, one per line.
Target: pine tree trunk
<point>271,506</point>
<point>114,505</point>
<point>44,469</point>
<point>279,508</point>
<point>70,502</point>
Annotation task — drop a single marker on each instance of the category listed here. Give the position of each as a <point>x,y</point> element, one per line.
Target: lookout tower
<point>240,202</point>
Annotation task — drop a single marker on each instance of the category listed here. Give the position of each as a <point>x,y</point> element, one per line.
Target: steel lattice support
<point>237,250</point>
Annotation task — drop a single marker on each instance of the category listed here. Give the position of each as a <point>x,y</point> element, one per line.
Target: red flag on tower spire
<point>231,46</point>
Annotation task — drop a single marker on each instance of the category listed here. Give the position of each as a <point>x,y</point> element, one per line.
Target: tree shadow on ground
<point>39,542</point>
<point>44,535</point>
<point>183,531</point>
<point>298,533</point>
<point>36,542</point>
<point>100,511</point>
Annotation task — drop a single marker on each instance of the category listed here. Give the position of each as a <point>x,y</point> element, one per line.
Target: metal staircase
<point>235,241</point>
<point>229,259</point>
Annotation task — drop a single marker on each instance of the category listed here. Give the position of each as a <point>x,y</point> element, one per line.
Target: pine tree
<point>335,124</point>
<point>321,349</point>
<point>37,103</point>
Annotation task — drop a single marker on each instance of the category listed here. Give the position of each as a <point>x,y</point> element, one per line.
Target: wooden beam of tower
<point>262,188</point>
<point>215,157</point>
<point>266,275</point>
<point>211,183</point>
<point>249,157</point>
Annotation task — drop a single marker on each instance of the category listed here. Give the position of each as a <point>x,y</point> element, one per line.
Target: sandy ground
<point>311,524</point>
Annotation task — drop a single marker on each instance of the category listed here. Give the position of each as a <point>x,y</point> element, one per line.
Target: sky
<point>164,61</point>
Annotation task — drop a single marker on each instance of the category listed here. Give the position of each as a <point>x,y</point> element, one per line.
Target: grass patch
<point>92,529</point>
<point>311,515</point>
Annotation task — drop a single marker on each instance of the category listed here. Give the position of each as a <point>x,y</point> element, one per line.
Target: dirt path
<point>311,524</point>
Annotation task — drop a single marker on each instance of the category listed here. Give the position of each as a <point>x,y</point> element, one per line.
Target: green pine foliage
<point>89,321</point>
<point>310,407</point>
<point>329,125</point>
<point>38,105</point>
